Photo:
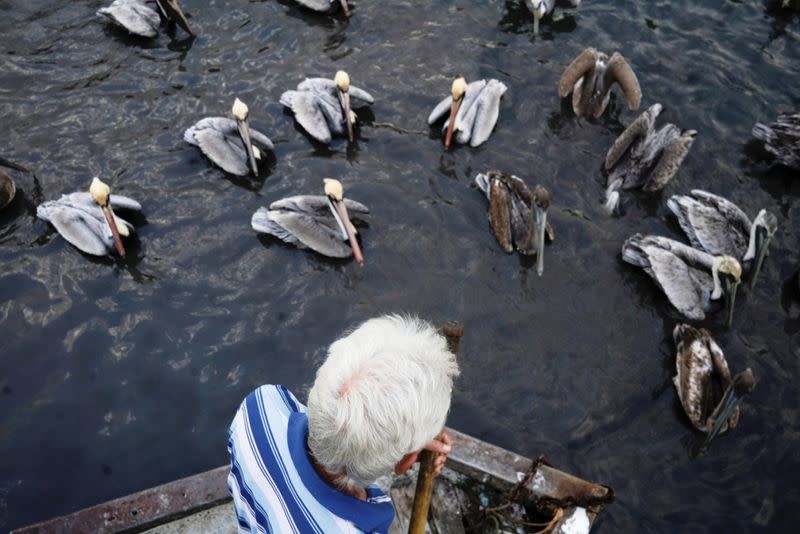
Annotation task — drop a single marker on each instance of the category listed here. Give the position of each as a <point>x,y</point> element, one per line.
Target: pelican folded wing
<point>133,15</point>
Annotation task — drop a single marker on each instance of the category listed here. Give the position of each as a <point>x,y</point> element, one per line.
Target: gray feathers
<point>219,139</point>
<point>477,116</point>
<point>643,157</point>
<point>589,78</point>
<point>782,139</point>
<point>133,15</point>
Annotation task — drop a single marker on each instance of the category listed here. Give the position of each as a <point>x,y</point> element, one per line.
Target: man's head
<point>382,393</point>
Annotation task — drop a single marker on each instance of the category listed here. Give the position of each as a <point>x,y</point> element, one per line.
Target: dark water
<point>116,376</point>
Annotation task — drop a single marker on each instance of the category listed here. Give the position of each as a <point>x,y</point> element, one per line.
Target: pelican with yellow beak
<point>474,109</point>
<point>87,220</point>
<point>321,223</point>
<point>323,107</point>
<point>139,18</point>
<point>230,143</point>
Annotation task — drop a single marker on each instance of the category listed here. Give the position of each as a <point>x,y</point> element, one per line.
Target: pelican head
<point>538,9</point>
<point>541,203</point>
<point>342,81</point>
<point>727,274</point>
<point>101,194</point>
<point>458,90</point>
<point>764,227</point>
<point>742,384</point>
<point>335,193</point>
<point>240,113</point>
<point>172,11</point>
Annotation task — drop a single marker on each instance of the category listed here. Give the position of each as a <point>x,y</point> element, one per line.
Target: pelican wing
<point>467,112</point>
<point>225,150</point>
<point>78,226</point>
<point>118,202</point>
<point>670,161</point>
<point>582,64</point>
<point>358,96</point>
<point>619,71</point>
<point>707,228</point>
<point>306,110</point>
<point>500,214</point>
<point>315,205</point>
<point>316,5</point>
<point>133,15</point>
<point>487,109</point>
<point>637,130</point>
<point>694,368</point>
<point>728,209</point>
<point>313,232</point>
<point>440,111</point>
<point>261,222</point>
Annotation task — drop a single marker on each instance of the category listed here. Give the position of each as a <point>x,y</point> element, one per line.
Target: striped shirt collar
<point>367,516</point>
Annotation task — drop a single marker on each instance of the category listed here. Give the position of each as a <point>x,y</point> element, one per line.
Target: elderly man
<point>380,397</point>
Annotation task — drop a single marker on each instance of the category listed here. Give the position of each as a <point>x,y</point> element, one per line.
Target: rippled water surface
<point>120,375</point>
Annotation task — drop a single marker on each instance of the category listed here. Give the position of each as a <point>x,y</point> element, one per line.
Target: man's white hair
<point>383,392</point>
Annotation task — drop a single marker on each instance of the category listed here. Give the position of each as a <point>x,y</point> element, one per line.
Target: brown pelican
<point>690,278</point>
<point>325,5</point>
<point>140,19</point>
<point>229,143</point>
<point>703,380</point>
<point>87,220</point>
<point>643,157</point>
<point>782,139</point>
<point>589,78</point>
<point>473,111</point>
<point>517,216</point>
<point>718,226</point>
<point>318,222</point>
<point>7,188</point>
<point>322,106</point>
<point>544,8</point>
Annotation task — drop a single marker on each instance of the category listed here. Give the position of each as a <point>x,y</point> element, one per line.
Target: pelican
<point>643,157</point>
<point>318,222</point>
<point>690,278</point>
<point>87,220</point>
<point>718,226</point>
<point>140,19</point>
<point>229,143</point>
<point>7,188</point>
<point>322,106</point>
<point>473,111</point>
<point>703,380</point>
<point>325,5</point>
<point>517,216</point>
<point>589,78</point>
<point>544,8</point>
<point>782,139</point>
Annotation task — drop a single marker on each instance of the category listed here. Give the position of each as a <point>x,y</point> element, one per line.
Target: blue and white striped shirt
<point>275,488</point>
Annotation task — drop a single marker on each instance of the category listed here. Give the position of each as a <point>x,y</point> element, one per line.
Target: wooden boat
<point>475,471</point>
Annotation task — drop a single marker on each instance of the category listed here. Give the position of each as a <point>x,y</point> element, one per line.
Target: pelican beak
<point>541,216</point>
<point>728,403</point>
<point>244,132</point>
<point>762,245</point>
<point>175,11</point>
<point>344,98</point>
<point>16,166</point>
<point>345,7</point>
<point>454,107</point>
<point>536,17</point>
<point>729,287</point>
<point>112,224</point>
<point>343,219</point>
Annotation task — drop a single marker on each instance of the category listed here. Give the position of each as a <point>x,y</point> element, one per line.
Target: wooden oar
<point>453,331</point>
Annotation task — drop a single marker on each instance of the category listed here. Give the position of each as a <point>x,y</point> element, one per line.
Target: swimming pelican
<point>589,78</point>
<point>782,139</point>
<point>7,188</point>
<point>474,109</point>
<point>321,105</point>
<point>517,216</point>
<point>718,226</point>
<point>643,157</point>
<point>703,380</point>
<point>140,19</point>
<point>325,5</point>
<point>320,223</point>
<point>682,273</point>
<point>544,8</point>
<point>230,144</point>
<point>87,220</point>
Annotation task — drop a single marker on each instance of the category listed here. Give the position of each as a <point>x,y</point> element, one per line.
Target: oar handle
<point>453,332</point>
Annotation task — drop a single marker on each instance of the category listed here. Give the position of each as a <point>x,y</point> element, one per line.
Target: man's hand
<point>441,445</point>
